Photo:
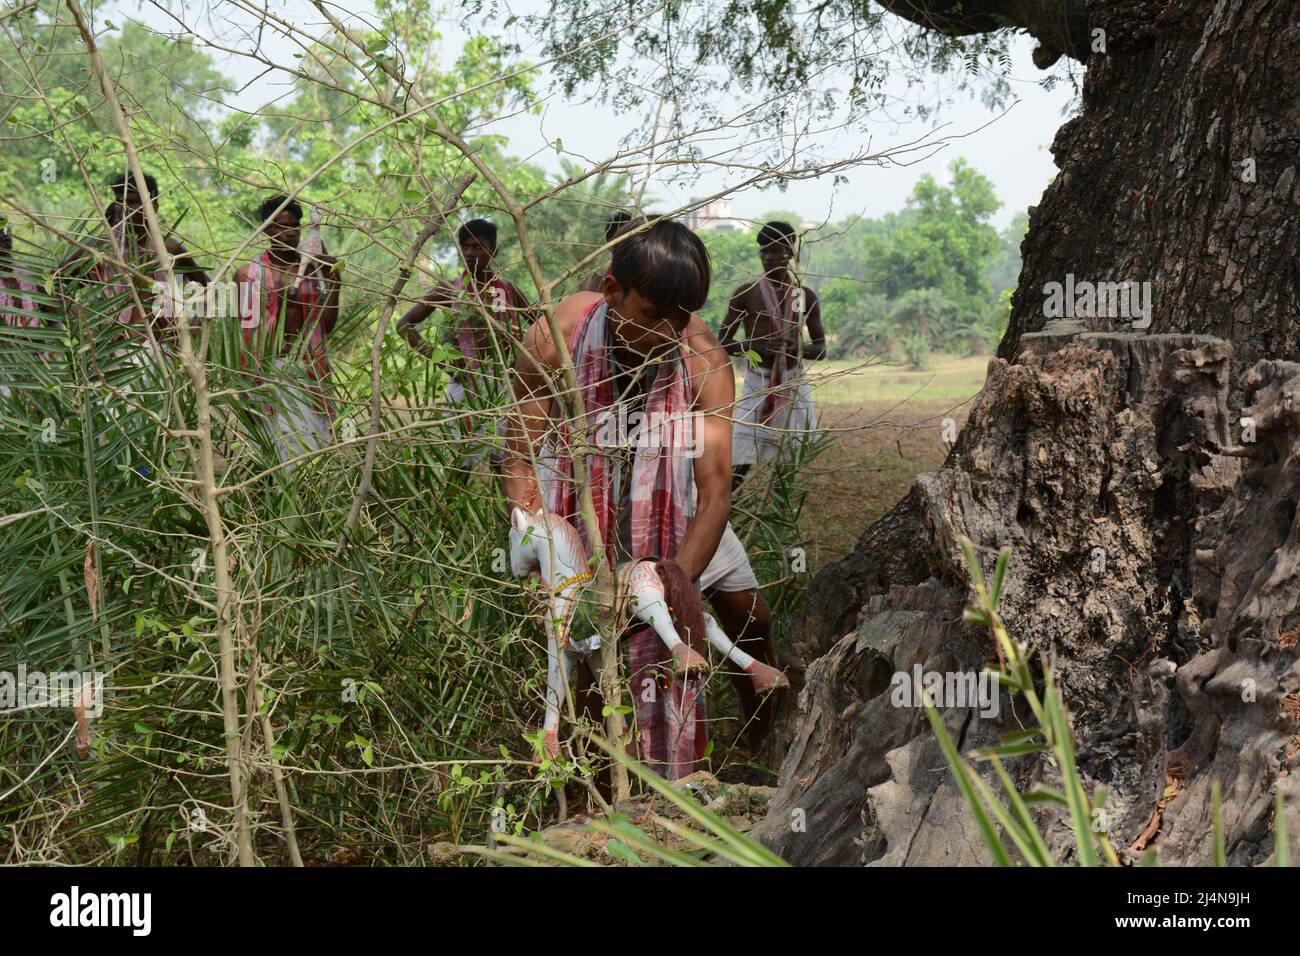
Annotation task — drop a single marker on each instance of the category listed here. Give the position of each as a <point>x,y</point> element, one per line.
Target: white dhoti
<point>753,441</point>
<point>729,569</point>
<point>300,425</point>
<point>475,438</point>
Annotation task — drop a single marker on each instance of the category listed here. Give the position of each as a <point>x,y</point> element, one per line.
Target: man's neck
<point>480,279</point>
<point>628,359</point>
<point>283,257</point>
<point>779,276</point>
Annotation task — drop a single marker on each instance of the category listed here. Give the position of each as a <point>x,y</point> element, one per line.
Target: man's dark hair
<point>271,207</point>
<point>124,182</point>
<point>479,229</point>
<point>615,223</point>
<point>776,231</point>
<point>666,264</point>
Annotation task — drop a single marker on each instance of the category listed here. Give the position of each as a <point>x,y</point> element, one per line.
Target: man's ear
<point>610,289</point>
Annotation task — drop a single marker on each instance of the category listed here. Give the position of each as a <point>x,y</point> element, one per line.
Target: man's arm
<point>714,401</point>
<point>816,348</point>
<point>732,323</point>
<point>436,298</point>
<point>331,271</point>
<point>529,419</point>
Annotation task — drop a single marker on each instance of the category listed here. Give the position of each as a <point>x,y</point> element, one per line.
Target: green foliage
<point>1050,734</point>
<point>920,280</point>
<point>839,58</point>
<point>710,834</point>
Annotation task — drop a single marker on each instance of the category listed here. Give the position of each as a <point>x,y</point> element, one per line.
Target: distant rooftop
<point>715,215</point>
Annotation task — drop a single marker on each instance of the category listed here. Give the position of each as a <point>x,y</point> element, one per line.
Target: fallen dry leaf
<point>92,581</point>
<point>1173,786</point>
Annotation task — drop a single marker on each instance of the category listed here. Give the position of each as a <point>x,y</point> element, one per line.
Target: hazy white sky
<point>1010,149</point>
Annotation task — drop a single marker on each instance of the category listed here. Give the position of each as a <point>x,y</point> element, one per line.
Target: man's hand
<point>790,345</point>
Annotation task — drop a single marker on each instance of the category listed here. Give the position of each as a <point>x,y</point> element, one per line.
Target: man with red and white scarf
<point>775,410</point>
<point>288,305</point>
<point>489,316</point>
<point>18,303</point>
<point>638,347</point>
<point>106,262</point>
<point>476,292</point>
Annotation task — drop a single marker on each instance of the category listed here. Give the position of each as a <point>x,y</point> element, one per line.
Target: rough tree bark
<point>1094,442</point>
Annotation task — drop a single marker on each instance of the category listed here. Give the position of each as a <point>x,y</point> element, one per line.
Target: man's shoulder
<point>570,309</point>
<point>705,357</point>
<point>568,312</point>
<point>745,289</point>
<point>701,341</point>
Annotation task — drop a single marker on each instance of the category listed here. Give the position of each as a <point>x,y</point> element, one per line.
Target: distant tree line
<point>935,276</point>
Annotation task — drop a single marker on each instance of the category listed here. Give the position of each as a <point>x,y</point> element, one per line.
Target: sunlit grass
<point>859,381</point>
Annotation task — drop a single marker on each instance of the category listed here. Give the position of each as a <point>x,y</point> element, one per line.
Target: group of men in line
<point>638,345</point>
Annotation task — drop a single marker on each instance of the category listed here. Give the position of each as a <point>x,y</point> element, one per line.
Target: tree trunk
<point>1156,552</point>
<point>1181,172</point>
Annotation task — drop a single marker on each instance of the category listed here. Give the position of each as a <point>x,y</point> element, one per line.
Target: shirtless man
<point>476,290</point>
<point>639,344</point>
<point>21,302</point>
<point>18,303</point>
<point>486,345</point>
<point>127,240</point>
<point>776,405</point>
<point>289,305</point>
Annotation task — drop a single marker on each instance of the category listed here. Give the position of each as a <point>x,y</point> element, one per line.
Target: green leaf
<point>1216,822</point>
<point>620,850</point>
<point>962,775</point>
<point>1041,793</point>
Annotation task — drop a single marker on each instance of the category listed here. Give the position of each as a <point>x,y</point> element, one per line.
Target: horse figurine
<point>656,593</point>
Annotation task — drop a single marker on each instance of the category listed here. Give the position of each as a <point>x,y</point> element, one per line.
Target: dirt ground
<point>885,426</point>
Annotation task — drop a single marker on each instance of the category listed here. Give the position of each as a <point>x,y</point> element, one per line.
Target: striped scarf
<point>466,343</point>
<point>670,714</point>
<point>114,280</point>
<point>24,287</point>
<point>783,319</point>
<point>259,322</point>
